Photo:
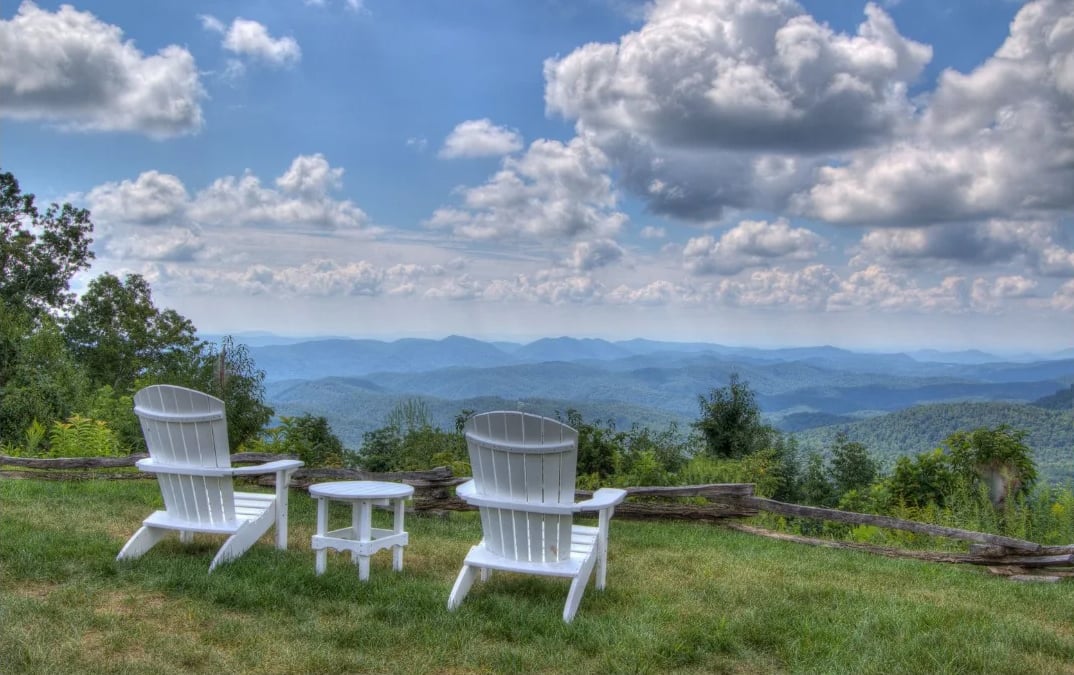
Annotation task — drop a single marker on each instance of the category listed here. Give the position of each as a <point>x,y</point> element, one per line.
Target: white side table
<point>361,538</point>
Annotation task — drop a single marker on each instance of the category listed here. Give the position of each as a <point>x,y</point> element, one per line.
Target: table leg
<point>397,551</point>
<point>364,511</point>
<point>356,529</point>
<point>322,528</point>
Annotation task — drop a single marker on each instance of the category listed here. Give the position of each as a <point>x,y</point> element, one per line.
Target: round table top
<point>361,489</point>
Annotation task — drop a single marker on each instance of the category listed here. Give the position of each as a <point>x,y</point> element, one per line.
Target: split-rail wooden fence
<point>720,502</point>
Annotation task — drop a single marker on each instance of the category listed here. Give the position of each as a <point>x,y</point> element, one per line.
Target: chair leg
<point>283,478</point>
<point>574,596</point>
<point>186,536</point>
<point>241,541</point>
<point>140,542</point>
<point>462,586</point>
<point>602,548</point>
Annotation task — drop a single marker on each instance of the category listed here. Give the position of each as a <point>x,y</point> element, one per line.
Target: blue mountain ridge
<point>356,383</point>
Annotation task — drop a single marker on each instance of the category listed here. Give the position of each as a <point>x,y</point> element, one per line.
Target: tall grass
<point>681,597</point>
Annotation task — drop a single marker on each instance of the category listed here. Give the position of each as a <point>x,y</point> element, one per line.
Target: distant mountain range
<point>284,358</point>
<point>356,383</point>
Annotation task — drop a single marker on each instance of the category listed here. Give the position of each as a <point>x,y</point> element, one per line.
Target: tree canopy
<point>39,252</point>
<point>62,358</point>
<point>120,335</point>
<point>730,421</point>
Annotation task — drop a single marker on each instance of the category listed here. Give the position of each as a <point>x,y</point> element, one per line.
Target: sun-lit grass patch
<point>682,597</point>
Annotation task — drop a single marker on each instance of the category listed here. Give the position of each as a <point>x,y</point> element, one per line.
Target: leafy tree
<point>119,335</point>
<point>816,489</point>
<point>39,252</point>
<point>925,479</point>
<point>598,447</point>
<point>43,382</point>
<point>782,468</point>
<point>997,458</point>
<point>229,372</point>
<point>730,422</point>
<point>381,449</point>
<point>410,415</point>
<point>311,439</point>
<point>668,449</point>
<point>427,447</point>
<point>117,412</point>
<point>852,466</point>
<point>409,442</point>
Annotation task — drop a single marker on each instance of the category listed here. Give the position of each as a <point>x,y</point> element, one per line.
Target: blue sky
<point>762,172</point>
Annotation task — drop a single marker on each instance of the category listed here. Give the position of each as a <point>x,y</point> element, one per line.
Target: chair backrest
<point>188,428</point>
<point>529,460</point>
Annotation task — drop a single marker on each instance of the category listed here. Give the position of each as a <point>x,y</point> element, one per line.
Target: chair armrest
<point>269,467</point>
<point>150,466</point>
<point>467,489</point>
<point>468,493</point>
<point>602,499</point>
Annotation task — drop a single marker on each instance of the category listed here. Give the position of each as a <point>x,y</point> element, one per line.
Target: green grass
<point>681,597</point>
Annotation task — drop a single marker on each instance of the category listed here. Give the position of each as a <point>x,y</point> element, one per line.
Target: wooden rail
<point>434,492</point>
<point>889,522</point>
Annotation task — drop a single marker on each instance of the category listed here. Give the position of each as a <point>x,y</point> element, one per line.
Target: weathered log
<point>426,499</point>
<point>714,491</point>
<point>440,475</point>
<point>1006,570</point>
<point>258,457</point>
<point>72,462</point>
<point>76,475</point>
<point>1023,562</point>
<point>658,511</point>
<point>889,522</point>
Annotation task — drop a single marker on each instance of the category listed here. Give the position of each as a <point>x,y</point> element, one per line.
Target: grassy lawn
<point>681,597</point>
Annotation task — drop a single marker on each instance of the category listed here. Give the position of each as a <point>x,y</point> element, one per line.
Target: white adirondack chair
<point>523,485</point>
<point>186,433</point>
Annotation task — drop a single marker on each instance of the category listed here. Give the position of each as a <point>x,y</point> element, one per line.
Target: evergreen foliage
<point>730,421</point>
<point>307,437</point>
<point>852,467</point>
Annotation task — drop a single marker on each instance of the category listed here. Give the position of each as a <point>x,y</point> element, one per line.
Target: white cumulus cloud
<point>480,138</point>
<point>552,191</point>
<point>302,201</point>
<point>751,243</point>
<point>995,142</point>
<point>590,255</point>
<point>251,39</point>
<point>716,103</point>
<point>72,68</point>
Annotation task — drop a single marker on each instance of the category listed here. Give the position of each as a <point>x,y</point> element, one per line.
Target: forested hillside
<point>355,406</point>
<point>1060,400</point>
<point>922,428</point>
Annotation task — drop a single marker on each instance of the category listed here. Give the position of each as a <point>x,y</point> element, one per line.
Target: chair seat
<point>249,506</point>
<point>583,544</point>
